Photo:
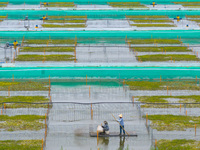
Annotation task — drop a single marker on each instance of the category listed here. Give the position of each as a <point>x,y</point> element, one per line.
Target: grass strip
<point>189,4</point>
<point>178,144</point>
<point>157,85</point>
<point>21,122</point>
<point>23,86</point>
<point>165,99</point>
<point>161,49</point>
<point>60,4</point>
<point>127,4</point>
<point>40,41</point>
<point>153,25</point>
<point>47,58</point>
<point>47,49</point>
<point>153,41</point>
<point>145,16</point>
<point>193,16</point>
<point>21,145</point>
<point>3,3</point>
<point>152,21</point>
<point>198,21</point>
<point>3,17</point>
<point>23,100</point>
<point>65,21</point>
<point>173,122</point>
<point>67,17</point>
<point>168,57</point>
<point>63,26</point>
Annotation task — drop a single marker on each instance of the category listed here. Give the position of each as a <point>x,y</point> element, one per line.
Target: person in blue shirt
<point>121,121</point>
<point>105,128</point>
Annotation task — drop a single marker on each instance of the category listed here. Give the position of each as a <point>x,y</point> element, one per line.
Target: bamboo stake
<point>9,91</point>
<point>133,100</point>
<point>146,119</point>
<point>13,77</point>
<point>180,107</point>
<point>195,127</point>
<point>155,143</point>
<point>120,124</point>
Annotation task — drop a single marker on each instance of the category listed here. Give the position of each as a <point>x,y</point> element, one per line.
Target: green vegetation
<point>3,17</point>
<point>193,16</point>
<point>21,145</point>
<point>26,99</point>
<point>127,4</point>
<point>161,49</point>
<point>63,26</point>
<point>157,85</point>
<point>178,144</point>
<point>47,49</point>
<point>66,17</point>
<point>173,122</point>
<point>189,4</point>
<point>65,21</point>
<point>168,57</point>
<point>153,41</point>
<point>144,16</point>
<point>21,122</point>
<point>23,86</point>
<point>40,41</point>
<point>60,4</point>
<point>198,21</point>
<point>163,99</point>
<point>47,57</point>
<point>3,3</point>
<point>153,25</point>
<point>152,21</point>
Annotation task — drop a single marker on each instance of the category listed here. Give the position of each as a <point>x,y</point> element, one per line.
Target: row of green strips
<point>195,18</point>
<point>161,57</point>
<point>55,57</point>
<point>127,5</point>
<point>150,21</point>
<point>3,18</point>
<point>167,101</point>
<point>77,22</point>
<point>3,4</point>
<point>189,4</point>
<point>59,4</point>
<point>21,145</point>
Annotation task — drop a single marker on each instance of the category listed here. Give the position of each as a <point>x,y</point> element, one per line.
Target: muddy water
<point>70,124</point>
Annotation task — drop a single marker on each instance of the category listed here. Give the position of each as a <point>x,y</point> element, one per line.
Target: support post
<point>9,91</point>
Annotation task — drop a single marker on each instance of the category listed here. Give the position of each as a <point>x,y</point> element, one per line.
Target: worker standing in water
<point>121,122</point>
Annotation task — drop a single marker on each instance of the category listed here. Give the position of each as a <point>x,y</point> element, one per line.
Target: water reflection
<point>121,143</point>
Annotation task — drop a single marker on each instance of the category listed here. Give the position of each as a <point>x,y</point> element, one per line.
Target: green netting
<point>100,72</point>
<point>188,36</point>
<point>102,2</point>
<point>93,14</point>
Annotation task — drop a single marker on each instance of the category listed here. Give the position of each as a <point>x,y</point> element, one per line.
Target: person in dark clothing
<point>105,128</point>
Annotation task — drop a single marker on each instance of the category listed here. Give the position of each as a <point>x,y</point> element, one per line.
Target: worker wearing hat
<point>121,122</point>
